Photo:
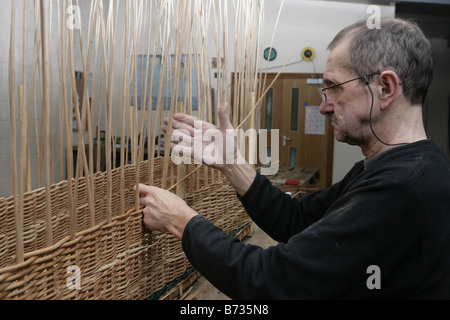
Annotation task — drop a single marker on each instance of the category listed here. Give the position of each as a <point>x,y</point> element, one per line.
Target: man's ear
<point>389,86</point>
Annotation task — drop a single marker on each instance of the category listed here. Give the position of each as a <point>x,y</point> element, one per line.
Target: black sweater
<point>393,214</point>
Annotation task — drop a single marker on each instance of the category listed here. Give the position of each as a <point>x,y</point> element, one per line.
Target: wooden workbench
<point>308,177</point>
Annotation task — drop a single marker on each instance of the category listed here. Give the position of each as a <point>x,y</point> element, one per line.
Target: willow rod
<point>26,179</point>
<point>98,10</point>
<point>74,100</point>
<point>12,111</point>
<point>124,108</point>
<point>46,117</point>
<point>271,47</point>
<point>119,102</point>
<point>147,111</point>
<point>67,127</point>
<point>23,121</point>
<point>108,68</point>
<point>84,119</point>
<point>33,94</point>
<point>50,79</point>
<point>153,135</point>
<point>137,15</point>
<point>165,50</point>
<point>180,37</point>
<point>59,52</point>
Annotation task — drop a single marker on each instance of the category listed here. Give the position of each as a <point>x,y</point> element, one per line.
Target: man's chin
<point>345,139</point>
<point>339,136</point>
<point>342,138</point>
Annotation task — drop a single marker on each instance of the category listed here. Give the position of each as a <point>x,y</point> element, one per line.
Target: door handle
<point>286,139</point>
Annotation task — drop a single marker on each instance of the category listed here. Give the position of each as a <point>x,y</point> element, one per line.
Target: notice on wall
<point>314,121</point>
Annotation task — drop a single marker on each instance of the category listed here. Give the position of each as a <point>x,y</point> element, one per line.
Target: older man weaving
<point>390,213</point>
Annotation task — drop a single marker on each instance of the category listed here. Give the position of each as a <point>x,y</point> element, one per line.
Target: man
<point>382,232</point>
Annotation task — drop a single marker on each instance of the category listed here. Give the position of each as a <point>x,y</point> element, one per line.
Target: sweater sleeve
<point>329,259</point>
<point>281,216</point>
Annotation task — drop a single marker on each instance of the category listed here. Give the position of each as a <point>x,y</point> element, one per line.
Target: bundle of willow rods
<point>53,219</point>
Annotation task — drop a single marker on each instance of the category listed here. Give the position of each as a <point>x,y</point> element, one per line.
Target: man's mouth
<point>332,118</point>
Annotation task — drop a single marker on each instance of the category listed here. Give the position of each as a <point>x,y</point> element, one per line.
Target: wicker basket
<point>119,260</point>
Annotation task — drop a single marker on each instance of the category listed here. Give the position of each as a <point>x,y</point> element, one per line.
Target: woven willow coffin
<point>117,260</point>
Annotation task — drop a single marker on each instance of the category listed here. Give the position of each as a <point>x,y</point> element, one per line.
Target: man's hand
<point>164,211</point>
<point>199,139</point>
<point>204,142</point>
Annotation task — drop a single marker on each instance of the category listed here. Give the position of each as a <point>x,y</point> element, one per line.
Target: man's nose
<point>326,108</point>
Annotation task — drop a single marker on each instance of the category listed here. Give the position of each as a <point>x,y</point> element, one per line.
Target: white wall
<point>314,23</point>
<point>5,26</point>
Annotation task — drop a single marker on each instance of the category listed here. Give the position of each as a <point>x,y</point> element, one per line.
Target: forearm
<point>240,176</point>
<point>221,258</point>
<point>177,225</point>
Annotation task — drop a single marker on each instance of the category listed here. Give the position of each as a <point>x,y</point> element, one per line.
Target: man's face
<point>348,105</point>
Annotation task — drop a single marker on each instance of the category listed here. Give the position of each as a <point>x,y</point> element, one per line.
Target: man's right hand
<point>207,144</point>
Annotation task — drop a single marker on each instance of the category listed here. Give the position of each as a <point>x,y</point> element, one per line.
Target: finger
<point>143,198</point>
<point>224,119</point>
<point>185,118</point>
<point>144,193</point>
<point>179,152</point>
<point>192,123</point>
<point>177,125</point>
<point>143,189</point>
<point>149,220</point>
<point>182,135</point>
<point>178,122</point>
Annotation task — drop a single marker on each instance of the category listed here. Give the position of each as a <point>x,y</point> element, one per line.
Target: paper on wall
<point>314,121</point>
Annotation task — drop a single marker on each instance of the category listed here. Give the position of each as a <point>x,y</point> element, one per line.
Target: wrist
<point>179,224</point>
<point>240,176</point>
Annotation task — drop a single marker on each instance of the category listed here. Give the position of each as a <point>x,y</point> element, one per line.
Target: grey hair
<point>399,45</point>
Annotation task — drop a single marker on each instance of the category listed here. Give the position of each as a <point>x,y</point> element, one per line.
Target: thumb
<point>224,119</point>
<point>144,190</point>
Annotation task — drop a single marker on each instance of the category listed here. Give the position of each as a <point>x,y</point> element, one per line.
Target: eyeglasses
<point>322,90</point>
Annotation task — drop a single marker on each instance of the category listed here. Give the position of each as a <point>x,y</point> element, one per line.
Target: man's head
<point>401,57</point>
<point>399,45</point>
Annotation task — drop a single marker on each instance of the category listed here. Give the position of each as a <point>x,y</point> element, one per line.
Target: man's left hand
<point>164,211</point>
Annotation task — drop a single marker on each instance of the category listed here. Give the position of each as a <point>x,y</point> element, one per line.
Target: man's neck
<point>396,132</point>
<point>375,150</point>
<point>376,147</point>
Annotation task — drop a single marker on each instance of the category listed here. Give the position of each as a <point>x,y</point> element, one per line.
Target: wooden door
<point>305,136</point>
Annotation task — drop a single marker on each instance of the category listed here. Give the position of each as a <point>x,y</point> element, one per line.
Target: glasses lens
<point>322,95</point>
